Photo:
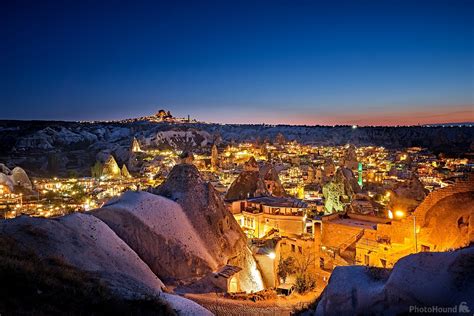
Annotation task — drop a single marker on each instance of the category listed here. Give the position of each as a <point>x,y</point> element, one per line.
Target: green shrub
<point>305,282</point>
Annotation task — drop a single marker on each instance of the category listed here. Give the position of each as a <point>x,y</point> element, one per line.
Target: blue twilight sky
<point>298,62</point>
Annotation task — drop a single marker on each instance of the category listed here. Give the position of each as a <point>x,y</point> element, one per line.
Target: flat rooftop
<point>355,223</point>
<point>278,201</point>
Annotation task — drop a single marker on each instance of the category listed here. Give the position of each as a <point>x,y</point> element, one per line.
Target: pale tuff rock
<point>48,138</point>
<point>20,178</point>
<point>111,168</point>
<point>248,184</point>
<point>350,157</point>
<point>329,168</point>
<point>40,140</point>
<point>255,181</point>
<point>407,195</point>
<point>15,177</point>
<point>271,179</point>
<point>135,146</point>
<point>251,164</point>
<point>442,279</point>
<point>205,209</point>
<point>185,307</point>
<point>186,157</point>
<point>311,175</point>
<point>88,244</point>
<point>160,232</point>
<point>181,139</point>
<point>214,157</point>
<point>7,182</point>
<point>347,177</point>
<point>4,169</point>
<point>449,223</point>
<point>125,172</point>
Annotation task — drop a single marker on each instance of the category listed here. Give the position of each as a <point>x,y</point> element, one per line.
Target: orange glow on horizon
<point>416,115</point>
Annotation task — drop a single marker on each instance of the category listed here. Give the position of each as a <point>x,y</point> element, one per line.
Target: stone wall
<point>335,235</point>
<point>436,196</point>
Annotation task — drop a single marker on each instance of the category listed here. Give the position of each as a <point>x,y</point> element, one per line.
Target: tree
<point>305,261</point>
<point>305,270</point>
<point>305,283</point>
<point>286,267</point>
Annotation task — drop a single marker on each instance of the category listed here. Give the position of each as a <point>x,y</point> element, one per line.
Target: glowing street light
<point>271,255</point>
<point>399,214</point>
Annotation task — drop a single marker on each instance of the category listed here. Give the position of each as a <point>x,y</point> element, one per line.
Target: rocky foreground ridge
<point>85,244</point>
<point>136,243</point>
<point>221,234</point>
<point>423,280</point>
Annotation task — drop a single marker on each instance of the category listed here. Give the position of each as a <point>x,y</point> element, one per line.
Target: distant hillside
<point>48,147</point>
<point>469,124</point>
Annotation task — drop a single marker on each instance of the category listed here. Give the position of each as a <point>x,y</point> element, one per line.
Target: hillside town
<point>304,209</point>
<point>237,158</point>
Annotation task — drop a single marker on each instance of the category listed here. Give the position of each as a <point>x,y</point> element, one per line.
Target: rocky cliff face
<point>449,223</point>
<point>350,158</point>
<point>16,178</point>
<point>161,233</point>
<point>442,279</point>
<point>408,195</point>
<point>88,244</point>
<point>255,181</point>
<point>62,146</point>
<point>180,139</point>
<point>248,184</point>
<point>208,215</point>
<point>85,243</point>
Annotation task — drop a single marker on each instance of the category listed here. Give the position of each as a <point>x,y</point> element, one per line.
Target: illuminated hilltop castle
<point>163,115</point>
<point>166,116</point>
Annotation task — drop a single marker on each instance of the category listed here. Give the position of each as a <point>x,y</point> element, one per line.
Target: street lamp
<point>400,214</point>
<point>414,233</point>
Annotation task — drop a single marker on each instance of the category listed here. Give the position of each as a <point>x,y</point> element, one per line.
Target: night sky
<point>298,62</point>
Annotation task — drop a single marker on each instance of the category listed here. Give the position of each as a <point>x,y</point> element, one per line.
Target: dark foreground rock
<point>83,245</point>
<point>442,279</point>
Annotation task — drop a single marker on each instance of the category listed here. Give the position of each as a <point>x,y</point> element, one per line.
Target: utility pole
<point>414,232</point>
